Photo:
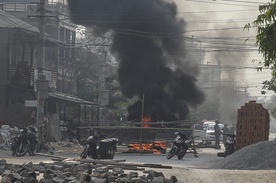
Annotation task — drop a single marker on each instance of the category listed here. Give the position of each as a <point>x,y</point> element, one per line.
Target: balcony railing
<point>27,74</point>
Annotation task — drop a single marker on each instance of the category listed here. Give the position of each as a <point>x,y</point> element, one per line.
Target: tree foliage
<point>117,102</point>
<point>94,63</point>
<point>266,39</point>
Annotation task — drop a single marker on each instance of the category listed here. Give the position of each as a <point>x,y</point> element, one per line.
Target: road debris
<point>79,170</point>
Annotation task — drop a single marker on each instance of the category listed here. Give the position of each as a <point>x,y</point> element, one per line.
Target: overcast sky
<point>218,24</point>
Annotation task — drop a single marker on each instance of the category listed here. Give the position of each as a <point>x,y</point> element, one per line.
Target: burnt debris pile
<point>259,156</point>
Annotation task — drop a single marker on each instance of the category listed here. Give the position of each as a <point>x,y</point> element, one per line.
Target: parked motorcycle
<point>181,145</point>
<point>26,141</point>
<point>230,144</point>
<point>99,149</point>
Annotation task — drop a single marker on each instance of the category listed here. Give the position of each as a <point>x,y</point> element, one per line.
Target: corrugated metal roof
<point>10,21</point>
<point>70,98</point>
<point>54,42</point>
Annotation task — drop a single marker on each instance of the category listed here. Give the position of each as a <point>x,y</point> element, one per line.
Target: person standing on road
<point>217,135</point>
<point>225,131</point>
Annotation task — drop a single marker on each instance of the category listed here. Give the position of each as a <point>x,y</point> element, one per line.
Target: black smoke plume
<point>148,43</point>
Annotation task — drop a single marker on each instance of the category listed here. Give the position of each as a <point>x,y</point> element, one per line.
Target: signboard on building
<point>30,103</point>
<point>104,97</point>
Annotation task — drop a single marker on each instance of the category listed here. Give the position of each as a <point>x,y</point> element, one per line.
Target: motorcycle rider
<point>95,140</point>
<point>180,136</point>
<point>98,148</point>
<point>181,145</point>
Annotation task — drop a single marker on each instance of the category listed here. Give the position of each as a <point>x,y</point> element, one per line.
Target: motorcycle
<point>230,144</point>
<point>181,145</point>
<point>26,141</point>
<point>99,149</point>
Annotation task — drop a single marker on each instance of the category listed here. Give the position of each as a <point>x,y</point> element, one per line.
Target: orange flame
<point>145,121</point>
<point>156,147</point>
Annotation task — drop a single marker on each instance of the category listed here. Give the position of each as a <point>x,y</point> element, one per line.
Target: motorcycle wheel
<point>172,152</point>
<point>84,153</point>
<point>13,147</point>
<point>181,154</point>
<point>21,150</point>
<point>34,148</point>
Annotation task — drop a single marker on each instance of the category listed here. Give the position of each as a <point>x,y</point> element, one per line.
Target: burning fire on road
<point>156,147</point>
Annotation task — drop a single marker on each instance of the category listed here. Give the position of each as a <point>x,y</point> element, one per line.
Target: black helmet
<point>94,133</point>
<point>179,133</point>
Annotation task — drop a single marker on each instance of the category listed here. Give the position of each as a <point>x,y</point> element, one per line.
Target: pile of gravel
<point>259,156</point>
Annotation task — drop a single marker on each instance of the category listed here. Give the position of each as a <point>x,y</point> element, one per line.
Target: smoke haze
<point>150,52</point>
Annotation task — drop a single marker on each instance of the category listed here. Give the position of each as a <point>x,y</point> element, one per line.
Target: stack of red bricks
<point>252,124</point>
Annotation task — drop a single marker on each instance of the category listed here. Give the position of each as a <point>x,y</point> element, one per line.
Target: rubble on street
<point>76,171</point>
<point>6,133</point>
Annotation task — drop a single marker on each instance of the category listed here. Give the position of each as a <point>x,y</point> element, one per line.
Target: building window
<point>15,7</point>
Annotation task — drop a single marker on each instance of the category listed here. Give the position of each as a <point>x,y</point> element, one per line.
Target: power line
<point>179,12</point>
<point>229,21</point>
<point>239,1</point>
<point>215,2</point>
<point>219,11</point>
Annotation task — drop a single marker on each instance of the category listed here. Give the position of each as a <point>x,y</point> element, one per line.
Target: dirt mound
<point>259,156</point>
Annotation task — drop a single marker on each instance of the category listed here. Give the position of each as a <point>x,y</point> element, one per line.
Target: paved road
<point>188,170</point>
<point>206,157</point>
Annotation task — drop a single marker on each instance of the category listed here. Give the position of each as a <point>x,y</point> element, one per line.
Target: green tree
<point>117,102</point>
<point>266,39</point>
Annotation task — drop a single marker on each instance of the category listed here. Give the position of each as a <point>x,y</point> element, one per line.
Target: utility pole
<point>141,123</point>
<point>103,93</point>
<point>41,82</point>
